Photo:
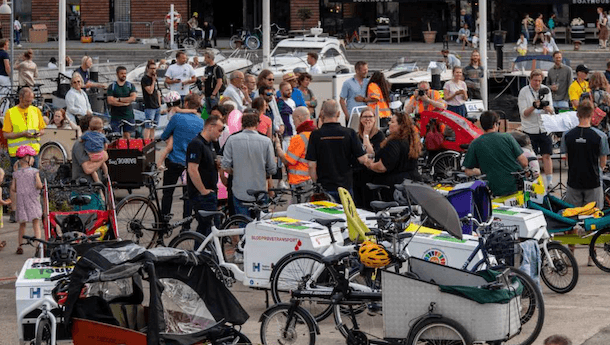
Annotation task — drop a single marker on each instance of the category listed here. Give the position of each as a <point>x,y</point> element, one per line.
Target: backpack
<point>225,81</point>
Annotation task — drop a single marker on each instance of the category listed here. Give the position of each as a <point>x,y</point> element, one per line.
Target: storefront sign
<point>590,2</point>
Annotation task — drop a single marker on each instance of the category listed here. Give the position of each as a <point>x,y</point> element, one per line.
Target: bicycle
<point>245,37</point>
<point>353,40</point>
<point>139,218</point>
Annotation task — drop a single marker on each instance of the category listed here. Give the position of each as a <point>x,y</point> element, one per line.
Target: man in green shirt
<point>120,95</point>
<point>495,154</point>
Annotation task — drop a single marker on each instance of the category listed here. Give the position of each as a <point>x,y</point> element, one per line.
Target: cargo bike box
<point>128,159</point>
<point>486,314</point>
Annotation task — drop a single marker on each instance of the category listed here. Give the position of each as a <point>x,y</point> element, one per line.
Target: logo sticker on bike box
<point>510,213</point>
<point>45,273</point>
<point>289,223</point>
<point>436,256</point>
<point>449,239</point>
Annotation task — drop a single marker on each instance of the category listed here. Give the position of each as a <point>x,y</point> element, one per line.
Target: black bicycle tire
<point>361,310</point>
<point>195,237</point>
<point>233,41</point>
<point>426,323</point>
<point>155,234</point>
<point>43,332</point>
<point>235,338</point>
<point>552,246</point>
<point>530,287</point>
<point>253,38</point>
<point>449,154</point>
<point>605,246</point>
<point>303,317</point>
<point>283,263</point>
<point>358,42</point>
<point>231,221</point>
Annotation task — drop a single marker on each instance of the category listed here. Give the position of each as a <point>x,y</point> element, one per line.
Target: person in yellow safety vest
<point>294,157</point>
<point>23,125</point>
<point>378,97</point>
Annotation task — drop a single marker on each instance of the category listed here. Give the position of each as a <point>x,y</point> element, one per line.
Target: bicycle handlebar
<point>476,222</point>
<point>66,240</point>
<point>136,124</point>
<point>74,184</point>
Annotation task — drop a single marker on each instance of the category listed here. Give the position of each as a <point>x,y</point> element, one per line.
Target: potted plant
<point>303,14</point>
<point>429,36</point>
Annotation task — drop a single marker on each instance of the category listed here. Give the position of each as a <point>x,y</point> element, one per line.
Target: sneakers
<point>238,258</point>
<point>283,185</point>
<point>19,46</point>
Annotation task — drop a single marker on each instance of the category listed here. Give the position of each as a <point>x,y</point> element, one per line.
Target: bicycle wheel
<point>252,42</point>
<point>432,331</point>
<point>599,249</point>
<point>444,164</point>
<point>190,240</point>
<point>229,243</point>
<point>43,333</point>
<point>234,41</point>
<point>52,155</point>
<point>135,214</point>
<point>276,329</point>
<point>189,43</point>
<point>532,310</point>
<point>293,272</point>
<point>367,314</point>
<point>357,42</point>
<point>564,276</point>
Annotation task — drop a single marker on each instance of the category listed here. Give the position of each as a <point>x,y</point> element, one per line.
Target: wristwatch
<point>366,136</point>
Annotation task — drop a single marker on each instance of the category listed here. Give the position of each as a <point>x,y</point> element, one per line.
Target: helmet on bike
<point>63,254</point>
<point>373,255</point>
<point>171,98</point>
<point>25,150</point>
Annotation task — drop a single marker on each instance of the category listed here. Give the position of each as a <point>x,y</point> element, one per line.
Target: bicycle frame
<point>46,304</point>
<point>214,237</point>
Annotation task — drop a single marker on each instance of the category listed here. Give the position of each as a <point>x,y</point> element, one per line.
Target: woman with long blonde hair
<point>371,138</point>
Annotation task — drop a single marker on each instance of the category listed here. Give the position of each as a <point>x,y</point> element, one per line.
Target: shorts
<point>152,114</point>
<point>541,143</point>
<point>96,156</point>
<point>581,197</point>
<point>114,124</point>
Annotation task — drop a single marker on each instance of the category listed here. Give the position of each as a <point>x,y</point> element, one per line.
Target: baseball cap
<point>289,76</point>
<point>582,68</point>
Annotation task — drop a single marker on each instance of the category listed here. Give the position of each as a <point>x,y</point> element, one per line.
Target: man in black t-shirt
<point>152,98</point>
<point>586,148</point>
<point>120,95</point>
<point>212,80</point>
<point>203,170</point>
<point>331,151</point>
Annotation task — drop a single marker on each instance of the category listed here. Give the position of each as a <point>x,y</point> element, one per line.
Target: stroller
<point>187,303</point>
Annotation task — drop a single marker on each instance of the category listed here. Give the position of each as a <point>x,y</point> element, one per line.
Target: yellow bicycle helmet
<point>373,255</point>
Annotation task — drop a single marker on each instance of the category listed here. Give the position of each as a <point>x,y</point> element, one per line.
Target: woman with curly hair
<point>397,157</point>
<point>599,95</point>
<point>378,97</point>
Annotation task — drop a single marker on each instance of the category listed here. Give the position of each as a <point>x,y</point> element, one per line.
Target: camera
<point>421,93</point>
<point>543,92</point>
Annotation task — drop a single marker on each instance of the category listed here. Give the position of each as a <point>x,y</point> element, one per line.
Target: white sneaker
<point>238,258</point>
<point>19,46</point>
<point>282,184</point>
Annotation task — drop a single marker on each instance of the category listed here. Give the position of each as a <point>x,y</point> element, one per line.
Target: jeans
<point>171,176</point>
<point>205,203</point>
<point>210,103</point>
<point>17,36</point>
<point>152,114</point>
<point>115,125</point>
<point>240,208</point>
<point>458,109</point>
<point>335,194</point>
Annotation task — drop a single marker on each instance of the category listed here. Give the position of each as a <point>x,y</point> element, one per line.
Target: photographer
<point>534,100</point>
<point>424,99</point>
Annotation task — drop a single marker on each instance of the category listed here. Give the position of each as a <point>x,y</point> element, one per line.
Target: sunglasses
<point>270,79</point>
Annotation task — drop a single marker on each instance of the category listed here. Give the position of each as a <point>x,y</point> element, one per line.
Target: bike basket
<point>501,242</point>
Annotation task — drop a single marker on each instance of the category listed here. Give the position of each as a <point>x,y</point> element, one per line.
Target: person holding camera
<point>534,100</point>
<point>424,99</point>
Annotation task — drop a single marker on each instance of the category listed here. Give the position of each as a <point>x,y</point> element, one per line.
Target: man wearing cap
<point>297,95</point>
<point>194,21</point>
<point>531,108</point>
<point>558,80</point>
<point>579,85</point>
<point>450,60</point>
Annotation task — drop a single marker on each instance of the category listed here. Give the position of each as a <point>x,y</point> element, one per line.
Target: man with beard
<point>120,95</point>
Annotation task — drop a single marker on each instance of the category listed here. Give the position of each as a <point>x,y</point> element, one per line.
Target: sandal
<point>2,245</point>
<point>19,251</point>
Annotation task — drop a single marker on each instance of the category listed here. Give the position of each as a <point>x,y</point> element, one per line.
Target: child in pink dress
<point>27,185</point>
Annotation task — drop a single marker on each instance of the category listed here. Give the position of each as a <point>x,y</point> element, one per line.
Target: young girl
<point>2,203</point>
<point>27,185</point>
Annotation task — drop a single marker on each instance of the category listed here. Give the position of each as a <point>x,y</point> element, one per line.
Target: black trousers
<point>171,176</point>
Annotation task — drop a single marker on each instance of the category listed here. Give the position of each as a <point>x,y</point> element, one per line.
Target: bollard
<point>436,78</point>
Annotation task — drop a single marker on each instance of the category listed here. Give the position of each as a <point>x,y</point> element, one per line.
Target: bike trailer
<point>267,241</point>
<point>486,314</point>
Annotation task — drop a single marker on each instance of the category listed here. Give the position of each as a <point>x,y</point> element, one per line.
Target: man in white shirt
<point>235,89</point>
<point>534,100</point>
<point>180,75</point>
<point>312,60</point>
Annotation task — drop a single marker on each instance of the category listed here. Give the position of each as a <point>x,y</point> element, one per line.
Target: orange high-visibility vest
<point>298,170</point>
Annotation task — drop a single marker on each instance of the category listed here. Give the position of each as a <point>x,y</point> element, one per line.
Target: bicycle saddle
<point>375,187</point>
<point>206,214</point>
<point>149,173</point>
<point>382,205</point>
<point>257,194</point>
<point>80,200</point>
<point>464,146</point>
<point>328,222</point>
